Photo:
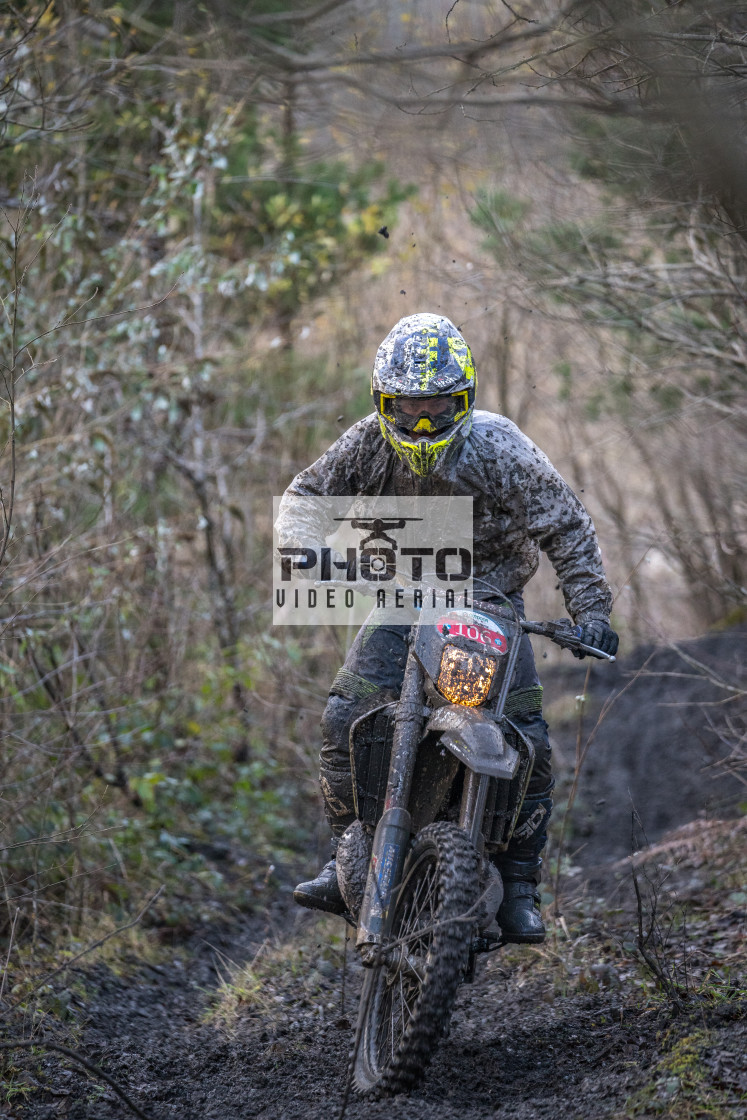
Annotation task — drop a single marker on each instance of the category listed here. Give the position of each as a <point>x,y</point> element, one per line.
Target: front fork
<point>392,836</point>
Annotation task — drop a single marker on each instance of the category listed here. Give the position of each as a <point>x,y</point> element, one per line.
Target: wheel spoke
<point>407,973</point>
<point>422,888</point>
<point>410,993</point>
<point>428,899</point>
<point>412,918</point>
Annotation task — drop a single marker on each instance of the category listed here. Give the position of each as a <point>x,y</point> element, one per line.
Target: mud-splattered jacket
<point>521,505</point>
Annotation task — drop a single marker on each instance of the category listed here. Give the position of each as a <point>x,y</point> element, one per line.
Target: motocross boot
<point>519,913</point>
<point>322,893</point>
<point>520,868</point>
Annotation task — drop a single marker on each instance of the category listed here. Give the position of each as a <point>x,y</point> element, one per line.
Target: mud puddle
<point>207,1035</point>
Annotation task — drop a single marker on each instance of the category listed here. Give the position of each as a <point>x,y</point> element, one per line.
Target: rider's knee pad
<point>336,720</point>
<point>337,792</point>
<point>530,834</point>
<point>534,726</point>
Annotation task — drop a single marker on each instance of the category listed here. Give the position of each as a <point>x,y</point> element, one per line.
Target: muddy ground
<point>576,1028</point>
<point>255,1018</point>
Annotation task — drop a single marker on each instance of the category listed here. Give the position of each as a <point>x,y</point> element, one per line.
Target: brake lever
<point>564,636</point>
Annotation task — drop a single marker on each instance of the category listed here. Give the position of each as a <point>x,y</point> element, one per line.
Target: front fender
<point>476,740</point>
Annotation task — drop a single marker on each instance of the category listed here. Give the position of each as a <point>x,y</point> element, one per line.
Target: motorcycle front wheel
<point>407,998</point>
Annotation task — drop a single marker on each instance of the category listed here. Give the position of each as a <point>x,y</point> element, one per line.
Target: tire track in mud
<point>527,1041</point>
<point>515,1049</point>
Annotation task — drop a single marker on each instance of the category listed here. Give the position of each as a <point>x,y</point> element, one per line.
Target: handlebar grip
<point>564,637</point>
<point>594,652</point>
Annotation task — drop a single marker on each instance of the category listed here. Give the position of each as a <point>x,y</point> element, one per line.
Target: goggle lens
<point>425,414</point>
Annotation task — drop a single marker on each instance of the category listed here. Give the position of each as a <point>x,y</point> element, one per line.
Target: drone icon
<point>378,527</point>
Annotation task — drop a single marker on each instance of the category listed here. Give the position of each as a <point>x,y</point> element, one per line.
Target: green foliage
<point>564,372</point>
<point>157,796</point>
<point>570,243</point>
<point>630,157</point>
<point>168,241</point>
<point>498,214</point>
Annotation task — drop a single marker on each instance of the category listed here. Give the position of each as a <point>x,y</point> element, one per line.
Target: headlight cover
<point>465,678</point>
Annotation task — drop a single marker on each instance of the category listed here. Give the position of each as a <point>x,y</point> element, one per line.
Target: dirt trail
<point>513,1051</point>
<point>572,1029</point>
<point>542,1033</point>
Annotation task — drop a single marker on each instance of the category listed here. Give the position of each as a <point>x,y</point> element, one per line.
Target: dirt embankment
<point>254,1019</point>
<point>664,734</point>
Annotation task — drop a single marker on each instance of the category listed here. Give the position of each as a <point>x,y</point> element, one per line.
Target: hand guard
<point>598,634</point>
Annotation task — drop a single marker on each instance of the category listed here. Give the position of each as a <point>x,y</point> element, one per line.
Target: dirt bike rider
<point>425,438</point>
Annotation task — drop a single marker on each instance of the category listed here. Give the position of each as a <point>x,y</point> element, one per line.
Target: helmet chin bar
<point>425,424</point>
<point>423,455</point>
<point>412,435</point>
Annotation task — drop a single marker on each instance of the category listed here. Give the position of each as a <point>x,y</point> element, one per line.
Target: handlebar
<point>565,636</point>
<point>560,631</point>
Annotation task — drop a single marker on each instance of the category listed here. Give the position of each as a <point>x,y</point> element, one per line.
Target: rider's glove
<point>598,634</point>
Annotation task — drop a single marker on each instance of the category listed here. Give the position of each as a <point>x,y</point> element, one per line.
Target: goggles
<point>424,415</point>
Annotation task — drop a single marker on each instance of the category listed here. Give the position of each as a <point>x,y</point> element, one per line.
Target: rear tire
<point>407,1000</point>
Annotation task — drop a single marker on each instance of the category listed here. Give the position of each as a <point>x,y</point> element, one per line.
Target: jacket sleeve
<point>300,519</point>
<point>559,523</point>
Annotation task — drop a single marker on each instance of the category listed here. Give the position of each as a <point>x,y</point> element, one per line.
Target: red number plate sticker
<point>475,626</point>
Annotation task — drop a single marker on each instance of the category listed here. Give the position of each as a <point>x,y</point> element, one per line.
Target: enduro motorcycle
<point>439,778</point>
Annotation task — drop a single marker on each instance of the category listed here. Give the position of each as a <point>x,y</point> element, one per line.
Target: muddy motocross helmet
<point>423,386</point>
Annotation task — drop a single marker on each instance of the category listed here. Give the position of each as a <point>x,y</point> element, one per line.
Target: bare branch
<point>297,18</point>
<point>47,1044</point>
<point>89,949</point>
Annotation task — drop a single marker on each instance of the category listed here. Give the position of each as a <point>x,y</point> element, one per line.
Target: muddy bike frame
<point>472,733</point>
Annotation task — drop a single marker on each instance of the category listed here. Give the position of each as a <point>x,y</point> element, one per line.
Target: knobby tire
<point>407,999</point>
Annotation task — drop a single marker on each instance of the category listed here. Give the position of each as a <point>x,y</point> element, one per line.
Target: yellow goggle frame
<point>387,401</point>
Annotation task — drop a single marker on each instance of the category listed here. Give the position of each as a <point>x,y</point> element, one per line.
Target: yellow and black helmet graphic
<point>423,385</point>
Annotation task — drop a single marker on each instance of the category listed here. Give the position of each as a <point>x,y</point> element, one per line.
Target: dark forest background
<point>194,282</point>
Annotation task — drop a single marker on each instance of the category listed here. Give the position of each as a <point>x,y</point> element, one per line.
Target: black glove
<point>598,634</point>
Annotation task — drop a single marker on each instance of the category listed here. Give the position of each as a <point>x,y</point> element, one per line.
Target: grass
<point>281,973</point>
<point>683,1086</point>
